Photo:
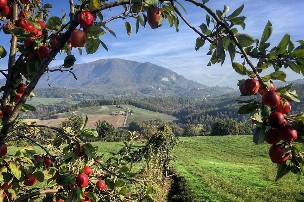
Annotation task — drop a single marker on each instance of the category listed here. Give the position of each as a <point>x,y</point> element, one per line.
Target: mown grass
<point>230,168</point>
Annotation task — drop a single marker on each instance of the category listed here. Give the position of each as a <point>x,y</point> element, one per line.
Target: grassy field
<point>231,168</point>
<point>48,101</point>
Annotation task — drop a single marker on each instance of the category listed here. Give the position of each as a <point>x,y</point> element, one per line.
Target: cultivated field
<point>109,113</point>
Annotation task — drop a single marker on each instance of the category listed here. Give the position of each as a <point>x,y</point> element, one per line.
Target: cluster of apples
<point>279,132</point>
<point>78,37</point>
<point>5,9</point>
<point>82,181</point>
<point>153,17</point>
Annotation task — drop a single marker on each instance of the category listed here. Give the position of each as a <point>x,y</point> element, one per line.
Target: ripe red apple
<point>87,170</point>
<point>30,28</point>
<point>59,200</point>
<point>153,15</point>
<point>101,185</point>
<point>271,98</point>
<point>21,88</point>
<point>86,19</point>
<point>37,158</point>
<point>47,161</point>
<point>284,106</point>
<point>17,97</point>
<point>25,1</point>
<point>272,136</point>
<point>53,41</point>
<point>82,180</point>
<point>28,42</point>
<point>277,154</point>
<point>3,3</point>
<point>288,133</point>
<point>242,90</point>
<point>86,199</point>
<point>78,38</point>
<point>43,51</point>
<point>251,86</point>
<point>23,13</point>
<point>1,114</point>
<point>276,119</point>
<point>22,22</point>
<point>264,89</point>
<point>6,11</point>
<point>30,180</point>
<point>42,25</point>
<point>3,150</point>
<point>7,186</point>
<point>78,150</point>
<point>7,109</point>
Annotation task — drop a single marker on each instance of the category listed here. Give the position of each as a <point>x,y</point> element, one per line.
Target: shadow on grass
<point>178,190</point>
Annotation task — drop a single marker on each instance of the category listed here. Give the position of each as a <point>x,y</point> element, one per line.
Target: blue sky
<point>175,50</point>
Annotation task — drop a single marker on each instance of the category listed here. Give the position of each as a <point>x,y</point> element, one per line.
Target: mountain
<point>118,77</point>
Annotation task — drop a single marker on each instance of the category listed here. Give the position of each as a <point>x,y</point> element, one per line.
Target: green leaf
<point>39,175</point>
<point>57,142</point>
<point>54,23</point>
<point>267,32</point>
<point>104,45</point>
<point>237,12</point>
<point>15,170</point>
<point>259,135</point>
<point>151,2</point>
<point>95,4</point>
<point>205,1</point>
<point>281,48</point>
<point>119,183</point>
<point>128,28</point>
<point>27,107</point>
<point>95,31</point>
<point>199,43</point>
<point>244,39</point>
<point>3,52</point>
<point>239,68</point>
<point>239,21</point>
<point>89,133</point>
<point>207,20</point>
<point>69,61</point>
<point>285,88</point>
<point>297,53</point>
<point>294,67</point>
<point>247,109</point>
<point>231,50</point>
<point>92,45</point>
<point>278,75</point>
<point>282,170</point>
<point>291,96</point>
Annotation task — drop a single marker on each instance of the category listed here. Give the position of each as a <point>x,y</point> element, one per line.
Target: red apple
<point>3,3</point>
<point>87,170</point>
<point>43,51</point>
<point>42,25</point>
<point>7,109</point>
<point>284,106</point>
<point>264,89</point>
<point>78,38</point>
<point>7,186</point>
<point>17,97</point>
<point>21,88</point>
<point>47,161</point>
<point>22,22</point>
<point>37,158</point>
<point>251,86</point>
<point>24,13</point>
<point>30,180</point>
<point>277,154</point>
<point>86,19</point>
<point>59,200</point>
<point>25,1</point>
<point>3,150</point>
<point>82,180</point>
<point>28,42</point>
<point>288,133</point>
<point>6,12</point>
<point>53,41</point>
<point>153,15</point>
<point>101,185</point>
<point>272,136</point>
<point>1,114</point>
<point>276,119</point>
<point>271,98</point>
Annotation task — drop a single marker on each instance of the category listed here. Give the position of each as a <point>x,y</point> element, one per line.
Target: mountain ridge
<point>119,77</point>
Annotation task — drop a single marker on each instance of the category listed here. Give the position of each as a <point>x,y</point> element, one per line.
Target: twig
<point>72,10</point>
<point>37,193</point>
<point>32,140</point>
<point>189,25</point>
<point>222,23</point>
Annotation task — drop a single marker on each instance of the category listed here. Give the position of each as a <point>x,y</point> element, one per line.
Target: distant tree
<point>105,130</point>
<point>226,126</point>
<point>194,130</point>
<point>75,122</point>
